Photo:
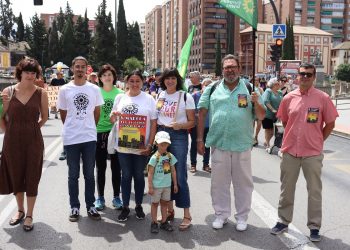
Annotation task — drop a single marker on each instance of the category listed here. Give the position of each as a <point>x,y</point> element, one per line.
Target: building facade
<point>308,42</point>
<point>153,39</point>
<point>339,55</point>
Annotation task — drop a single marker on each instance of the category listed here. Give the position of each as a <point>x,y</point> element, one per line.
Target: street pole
<point>116,17</point>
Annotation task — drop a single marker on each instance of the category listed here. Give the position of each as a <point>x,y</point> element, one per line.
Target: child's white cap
<point>162,136</point>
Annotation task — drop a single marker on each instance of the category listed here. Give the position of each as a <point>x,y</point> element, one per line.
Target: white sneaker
<point>219,223</point>
<point>241,226</point>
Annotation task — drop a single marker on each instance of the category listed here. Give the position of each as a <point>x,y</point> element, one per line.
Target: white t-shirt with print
<point>142,104</point>
<point>166,107</point>
<point>80,103</point>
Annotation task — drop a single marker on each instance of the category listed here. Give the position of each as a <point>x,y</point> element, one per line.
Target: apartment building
<point>340,54</point>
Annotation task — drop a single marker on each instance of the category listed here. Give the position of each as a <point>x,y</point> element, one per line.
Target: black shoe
<point>14,222</point>
<point>139,212</point>
<point>63,156</point>
<point>74,214</point>
<point>154,228</point>
<point>315,235</point>
<point>123,216</point>
<point>279,228</point>
<point>166,226</point>
<point>93,214</point>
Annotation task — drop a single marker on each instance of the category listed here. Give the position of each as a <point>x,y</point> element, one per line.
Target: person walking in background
<point>161,170</point>
<point>25,112</point>
<point>272,98</point>
<point>176,114</point>
<point>107,76</point>
<point>135,113</point>
<point>93,78</point>
<point>155,88</point>
<point>79,103</point>
<point>258,122</point>
<point>308,116</point>
<point>231,116</point>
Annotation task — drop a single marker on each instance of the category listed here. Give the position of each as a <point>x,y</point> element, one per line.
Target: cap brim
<point>163,140</point>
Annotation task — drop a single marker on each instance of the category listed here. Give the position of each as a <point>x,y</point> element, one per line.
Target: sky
<point>135,10</point>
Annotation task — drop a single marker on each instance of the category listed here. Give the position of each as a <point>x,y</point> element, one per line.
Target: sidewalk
<point>342,124</point>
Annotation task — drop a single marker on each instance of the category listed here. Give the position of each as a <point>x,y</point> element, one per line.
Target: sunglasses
<point>306,74</point>
<point>231,67</point>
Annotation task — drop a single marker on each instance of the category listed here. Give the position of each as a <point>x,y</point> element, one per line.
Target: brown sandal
<point>28,228</point>
<point>193,169</point>
<point>206,168</point>
<point>184,226</point>
<point>14,222</point>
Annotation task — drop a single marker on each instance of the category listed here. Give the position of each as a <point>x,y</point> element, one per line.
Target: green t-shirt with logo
<point>104,125</point>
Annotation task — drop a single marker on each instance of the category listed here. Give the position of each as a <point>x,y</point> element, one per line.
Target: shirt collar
<point>307,93</point>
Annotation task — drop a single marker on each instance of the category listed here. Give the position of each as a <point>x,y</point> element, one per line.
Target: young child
<point>161,170</point>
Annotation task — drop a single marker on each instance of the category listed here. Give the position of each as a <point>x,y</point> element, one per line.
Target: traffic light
<point>276,50</point>
<point>38,2</point>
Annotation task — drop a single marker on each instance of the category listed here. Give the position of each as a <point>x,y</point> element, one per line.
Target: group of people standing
<point>220,116</point>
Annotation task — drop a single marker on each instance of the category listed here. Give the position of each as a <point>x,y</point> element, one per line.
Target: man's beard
<point>230,79</point>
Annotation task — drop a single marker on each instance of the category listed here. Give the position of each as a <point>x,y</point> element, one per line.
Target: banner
<point>185,54</point>
<point>245,9</point>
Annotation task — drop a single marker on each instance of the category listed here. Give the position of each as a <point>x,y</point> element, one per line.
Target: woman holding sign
<point>135,113</point>
<point>176,114</point>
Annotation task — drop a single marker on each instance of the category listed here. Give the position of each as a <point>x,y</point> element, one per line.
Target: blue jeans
<point>132,167</point>
<point>206,155</point>
<point>87,152</point>
<point>179,148</point>
<point>193,150</point>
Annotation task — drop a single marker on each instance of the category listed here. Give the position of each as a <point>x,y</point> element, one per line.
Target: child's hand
<point>150,191</point>
<point>176,189</point>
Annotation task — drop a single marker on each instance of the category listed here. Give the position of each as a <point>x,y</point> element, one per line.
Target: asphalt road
<point>54,231</point>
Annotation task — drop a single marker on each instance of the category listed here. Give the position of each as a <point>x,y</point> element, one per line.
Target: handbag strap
<point>177,106</point>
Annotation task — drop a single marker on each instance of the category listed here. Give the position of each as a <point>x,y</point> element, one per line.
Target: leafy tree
<point>54,47</point>
<point>122,35</point>
<point>61,21</point>
<point>104,41</point>
<point>82,36</point>
<point>68,43</point>
<point>68,15</point>
<point>131,64</point>
<point>27,33</point>
<point>20,28</point>
<point>38,40</point>
<point>135,46</point>
<point>218,70</point>
<point>343,72</point>
<point>288,52</point>
<point>6,18</point>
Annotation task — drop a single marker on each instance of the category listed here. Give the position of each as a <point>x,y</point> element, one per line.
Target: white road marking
<point>294,239</point>
<point>8,210</point>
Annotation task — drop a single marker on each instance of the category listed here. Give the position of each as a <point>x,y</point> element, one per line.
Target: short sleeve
<point>173,160</point>
<point>99,98</point>
<point>330,113</point>
<point>153,110</point>
<point>189,101</point>
<point>205,98</point>
<point>266,96</point>
<point>61,101</point>
<point>116,103</point>
<point>282,112</point>
<point>153,161</point>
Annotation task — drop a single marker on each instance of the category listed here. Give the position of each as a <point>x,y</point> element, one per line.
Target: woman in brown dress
<point>26,109</point>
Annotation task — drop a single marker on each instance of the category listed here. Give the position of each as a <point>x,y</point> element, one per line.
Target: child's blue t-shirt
<point>162,172</point>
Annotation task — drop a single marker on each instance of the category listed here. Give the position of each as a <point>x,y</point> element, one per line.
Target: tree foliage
<point>288,52</point>
<point>54,47</point>
<point>68,43</point>
<point>343,72</point>
<point>122,36</point>
<point>135,46</point>
<point>60,20</point>
<point>218,70</point>
<point>82,36</point>
<point>20,28</point>
<point>6,18</point>
<point>132,64</point>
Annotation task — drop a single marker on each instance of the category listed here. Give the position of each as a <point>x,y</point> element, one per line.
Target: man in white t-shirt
<point>79,103</point>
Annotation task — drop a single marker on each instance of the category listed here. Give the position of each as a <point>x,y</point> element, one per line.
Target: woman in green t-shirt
<point>108,77</point>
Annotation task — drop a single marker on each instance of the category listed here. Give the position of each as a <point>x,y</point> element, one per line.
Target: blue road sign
<point>279,31</point>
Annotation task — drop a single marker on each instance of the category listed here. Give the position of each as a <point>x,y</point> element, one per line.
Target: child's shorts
<point>161,194</point>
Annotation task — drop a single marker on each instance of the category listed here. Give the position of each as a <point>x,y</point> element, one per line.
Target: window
<point>325,40</point>
<point>306,49</point>
<point>306,39</point>
<point>312,40</point>
<point>318,40</point>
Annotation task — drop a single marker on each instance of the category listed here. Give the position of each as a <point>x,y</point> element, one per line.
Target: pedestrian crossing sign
<point>279,31</point>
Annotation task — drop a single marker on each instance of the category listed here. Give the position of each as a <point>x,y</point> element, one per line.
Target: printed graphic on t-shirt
<point>312,115</point>
<point>81,102</point>
<point>131,131</point>
<point>107,107</point>
<point>166,166</point>
<point>131,108</point>
<point>242,101</point>
<point>168,109</point>
<point>160,103</point>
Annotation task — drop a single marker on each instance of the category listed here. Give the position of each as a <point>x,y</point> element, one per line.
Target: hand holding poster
<point>52,93</point>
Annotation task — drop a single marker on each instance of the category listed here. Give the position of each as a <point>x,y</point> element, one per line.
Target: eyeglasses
<point>231,67</point>
<point>306,74</point>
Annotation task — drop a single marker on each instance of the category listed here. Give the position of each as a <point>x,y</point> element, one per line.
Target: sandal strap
<point>28,216</point>
<point>188,218</point>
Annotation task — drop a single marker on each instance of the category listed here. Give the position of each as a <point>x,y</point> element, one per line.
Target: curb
<point>341,134</point>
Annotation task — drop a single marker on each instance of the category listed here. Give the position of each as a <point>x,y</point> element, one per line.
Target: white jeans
<point>230,166</point>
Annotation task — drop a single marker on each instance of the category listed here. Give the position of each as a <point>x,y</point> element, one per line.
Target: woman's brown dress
<point>23,147</point>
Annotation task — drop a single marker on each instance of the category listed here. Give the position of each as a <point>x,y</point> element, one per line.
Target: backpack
<point>247,84</point>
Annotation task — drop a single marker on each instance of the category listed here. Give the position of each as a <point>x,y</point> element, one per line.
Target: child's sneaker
<point>123,216</point>
<point>117,203</point>
<point>100,203</point>
<point>154,228</point>
<point>139,212</point>
<point>93,214</point>
<point>166,226</point>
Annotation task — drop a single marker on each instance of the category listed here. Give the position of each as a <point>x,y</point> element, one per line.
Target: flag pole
<point>254,55</point>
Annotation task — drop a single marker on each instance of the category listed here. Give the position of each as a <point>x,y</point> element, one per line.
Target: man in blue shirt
<point>232,112</point>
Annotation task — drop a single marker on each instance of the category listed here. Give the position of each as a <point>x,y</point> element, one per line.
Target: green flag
<point>245,9</point>
<point>185,54</point>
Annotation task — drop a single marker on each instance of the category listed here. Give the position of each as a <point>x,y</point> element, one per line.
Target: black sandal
<point>28,228</point>
<point>14,222</point>
<point>166,226</point>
